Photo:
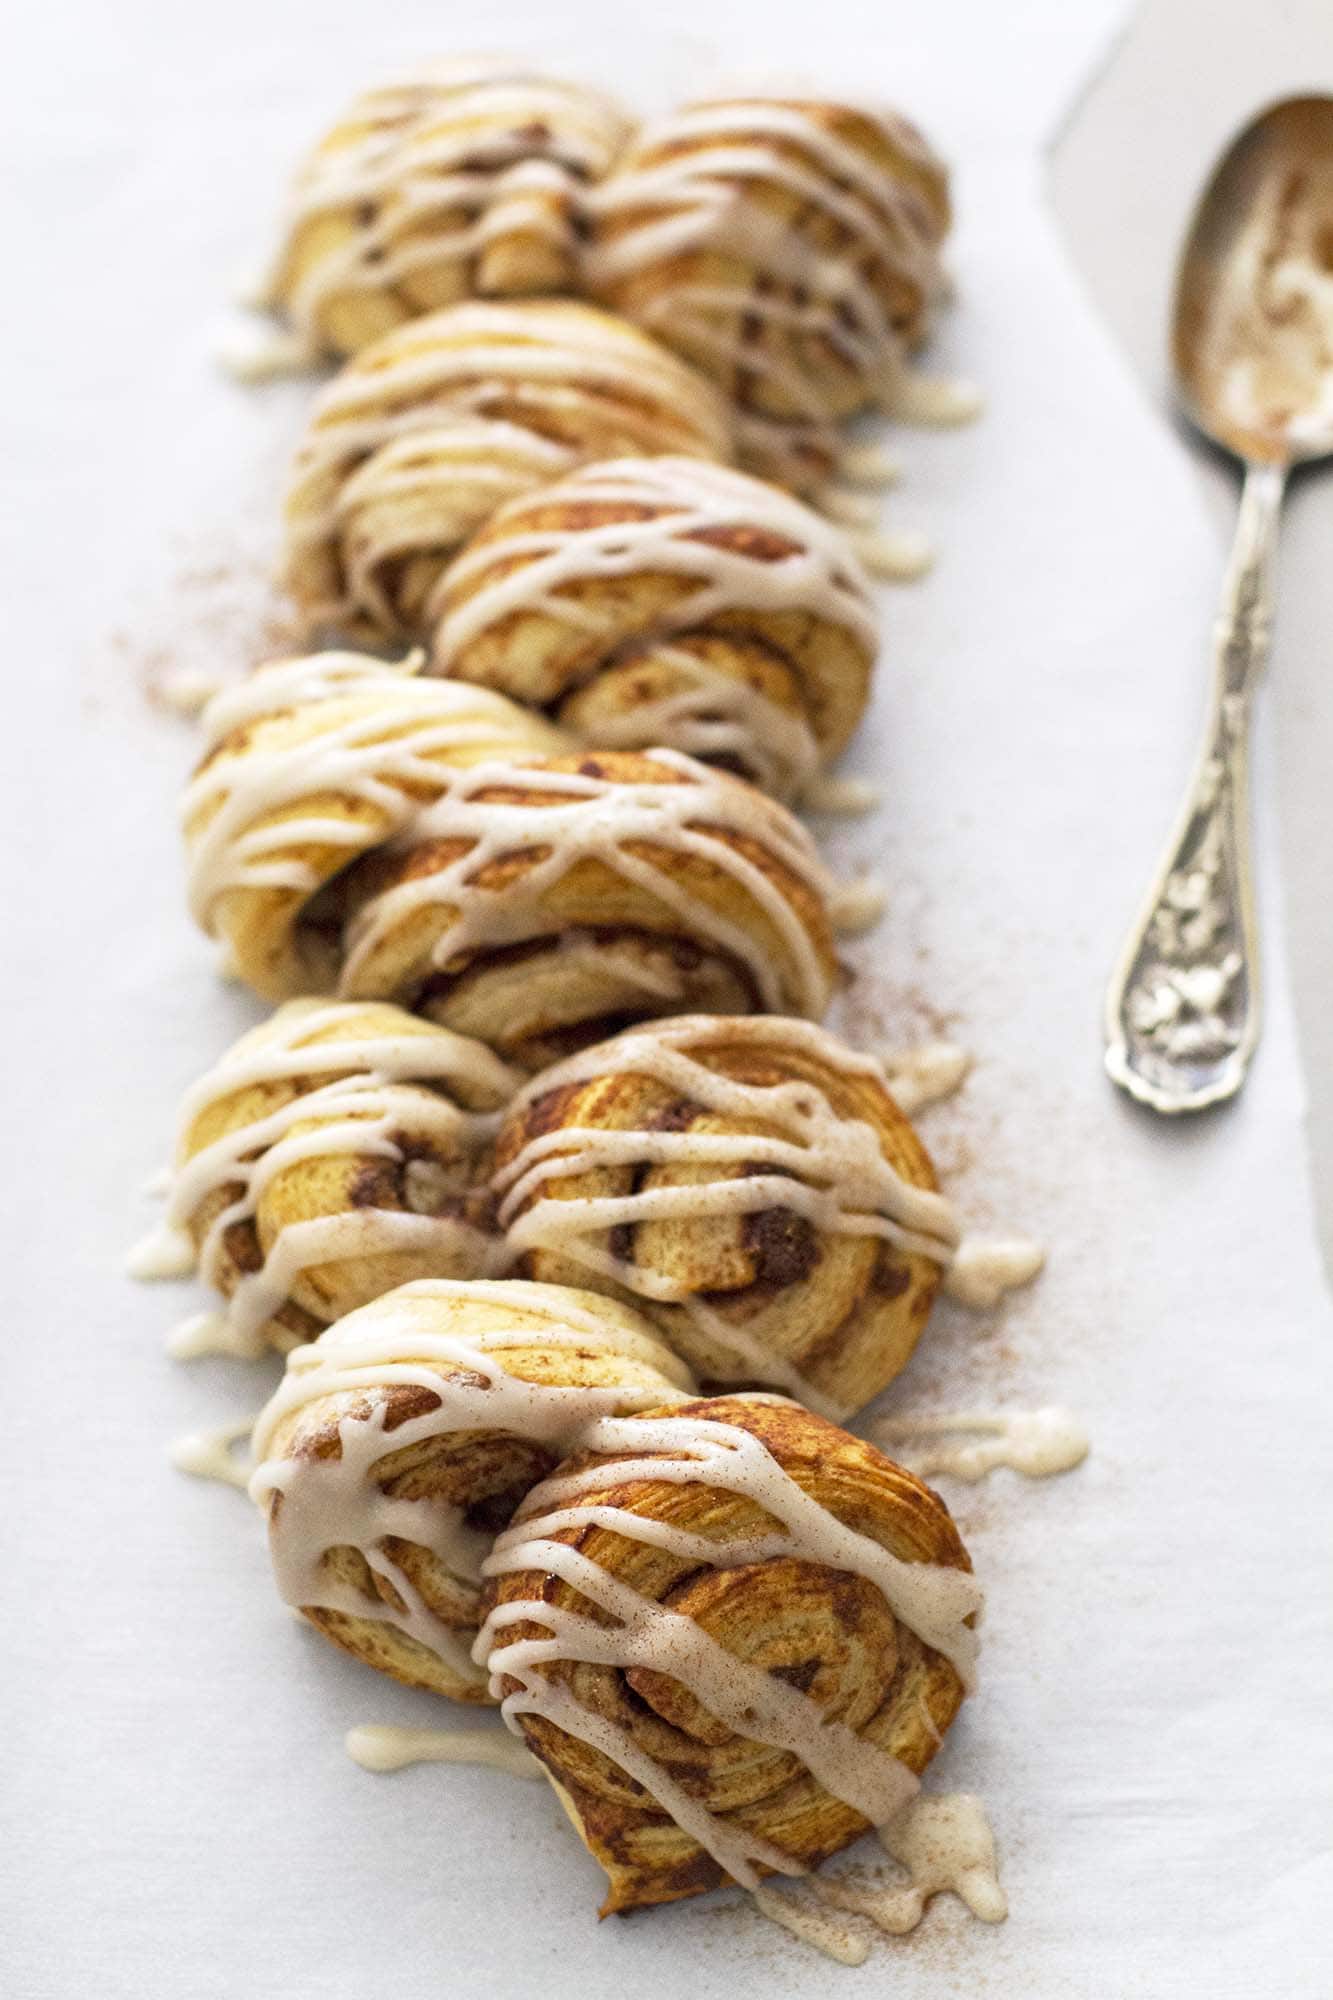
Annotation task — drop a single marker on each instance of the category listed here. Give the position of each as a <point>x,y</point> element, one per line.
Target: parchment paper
<point>1153,1731</point>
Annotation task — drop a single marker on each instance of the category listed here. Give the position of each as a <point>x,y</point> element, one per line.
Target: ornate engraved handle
<point>1182,1010</point>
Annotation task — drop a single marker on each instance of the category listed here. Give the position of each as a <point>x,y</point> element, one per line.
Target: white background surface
<point>1153,1730</point>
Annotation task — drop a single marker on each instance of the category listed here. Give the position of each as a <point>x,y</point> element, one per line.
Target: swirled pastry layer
<point>669,601</point>
<point>432,427</point>
<point>405,1436</point>
<point>750,1184</point>
<point>733,1635</point>
<point>308,765</point>
<point>462,178</point>
<point>788,248</point>
<point>331,1154</point>
<point>537,904</point>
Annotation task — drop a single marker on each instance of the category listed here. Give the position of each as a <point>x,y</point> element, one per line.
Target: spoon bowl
<point>1252,328</point>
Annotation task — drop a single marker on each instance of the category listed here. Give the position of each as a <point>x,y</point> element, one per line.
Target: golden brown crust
<point>433,1170</point>
<point>743,634</point>
<point>461,179</point>
<point>844,1310</point>
<point>344,768</point>
<point>641,952</point>
<point>777,338</point>
<point>482,1472</point>
<point>824,1630</point>
<point>429,429</point>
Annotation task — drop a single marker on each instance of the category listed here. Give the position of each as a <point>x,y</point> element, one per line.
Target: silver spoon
<point>1252,348</point>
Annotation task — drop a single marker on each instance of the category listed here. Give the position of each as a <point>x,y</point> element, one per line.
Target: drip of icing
<point>898,558</point>
<point>188,691</point>
<point>1038,1443</point>
<point>689,187</point>
<point>925,1074</point>
<point>209,1454</point>
<point>843,796</point>
<point>251,356</point>
<point>438,166</point>
<point>165,1252</point>
<point>813,1922</point>
<point>868,465</point>
<point>933,1601</point>
<point>857,906</point>
<point>204,1333</point>
<point>984,1268</point>
<point>920,400</point>
<point>828,1168</point>
<point>945,1844</point>
<point>584,817</point>
<point>336,1502</point>
<point>378,1746</point>
<point>362,1111</point>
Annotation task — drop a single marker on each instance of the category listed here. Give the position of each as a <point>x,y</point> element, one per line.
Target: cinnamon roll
<point>538,904</point>
<point>668,600</point>
<point>430,429</point>
<point>309,764</point>
<point>734,1636</point>
<point>750,1184</point>
<point>332,1154</point>
<point>405,1436</point>
<point>789,249</point>
<point>460,179</point>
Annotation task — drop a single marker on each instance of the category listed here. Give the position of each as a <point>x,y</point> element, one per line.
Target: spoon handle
<point>1182,1010</point>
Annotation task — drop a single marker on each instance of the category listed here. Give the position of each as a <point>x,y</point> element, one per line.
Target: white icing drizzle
<point>188,691</point>
<point>924,1074</point>
<point>210,1454</point>
<point>665,202</point>
<point>537,386</point>
<point>437,167</point>
<point>808,1918</point>
<point>945,1844</point>
<point>844,797</point>
<point>689,812</point>
<point>869,465</point>
<point>356,1113</point>
<point>336,1502</point>
<point>984,1268</point>
<point>379,1746</point>
<point>666,514</point>
<point>900,557</point>
<point>396,742</point>
<point>252,356</point>
<point>827,1168</point>
<point>932,1600</point>
<point>967,1444</point>
<point>858,905</point>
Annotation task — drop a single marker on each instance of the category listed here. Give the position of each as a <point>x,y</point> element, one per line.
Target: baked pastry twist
<point>734,1636</point>
<point>463,178</point>
<point>789,249</point>
<point>309,764</point>
<point>428,430</point>
<point>750,1184</point>
<point>539,903</point>
<point>667,600</point>
<point>394,838</point>
<point>405,1436</point>
<point>332,1154</point>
